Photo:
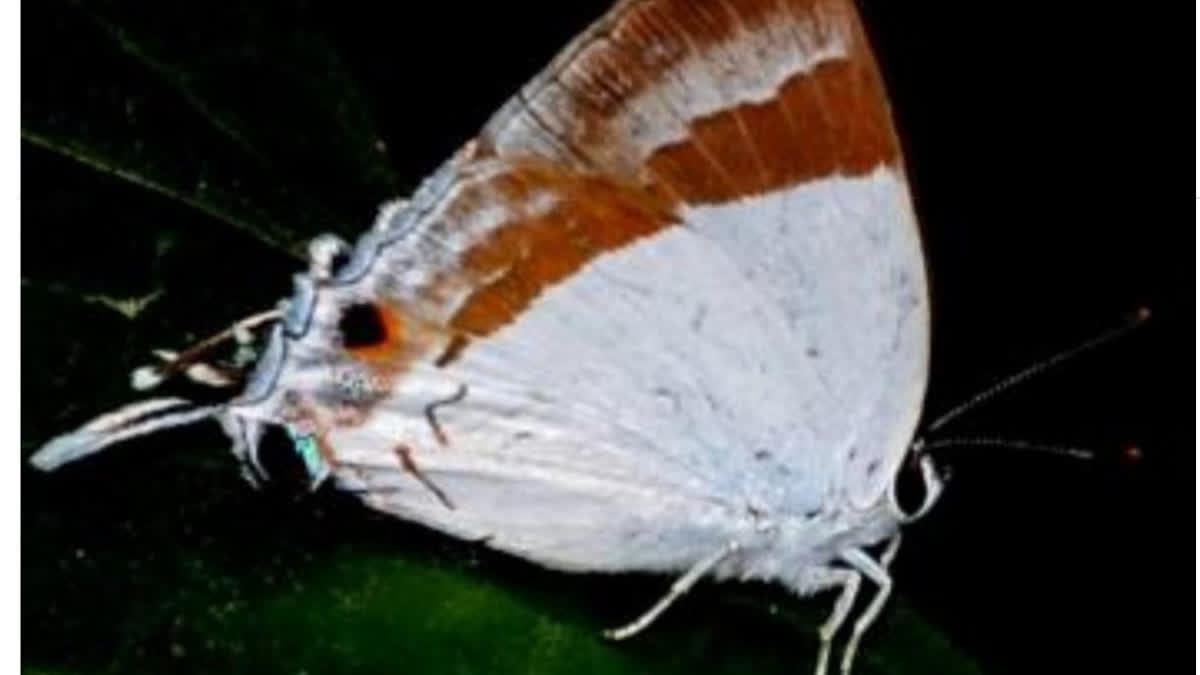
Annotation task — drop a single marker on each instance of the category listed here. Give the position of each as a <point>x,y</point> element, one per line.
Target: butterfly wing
<point>674,284</point>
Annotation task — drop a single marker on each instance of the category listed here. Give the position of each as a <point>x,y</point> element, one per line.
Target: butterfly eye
<point>362,326</point>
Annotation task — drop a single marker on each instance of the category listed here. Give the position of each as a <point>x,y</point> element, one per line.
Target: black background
<point>1048,149</point>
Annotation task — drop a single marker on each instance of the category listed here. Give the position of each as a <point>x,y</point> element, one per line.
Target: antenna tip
<point>1132,454</point>
<point>1142,313</point>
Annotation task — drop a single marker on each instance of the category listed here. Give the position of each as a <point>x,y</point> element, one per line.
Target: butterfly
<point>668,312</point>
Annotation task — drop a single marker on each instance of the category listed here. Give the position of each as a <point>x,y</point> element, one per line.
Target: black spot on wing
<point>362,325</point>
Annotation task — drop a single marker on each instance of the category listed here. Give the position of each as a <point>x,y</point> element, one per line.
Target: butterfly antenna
<point>1137,319</point>
<point>1010,444</point>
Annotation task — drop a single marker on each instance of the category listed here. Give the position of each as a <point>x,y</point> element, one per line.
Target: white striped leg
<point>682,585</point>
<point>878,573</point>
<point>849,580</point>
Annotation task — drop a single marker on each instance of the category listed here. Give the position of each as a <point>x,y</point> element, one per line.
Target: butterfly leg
<point>431,413</point>
<point>878,573</point>
<point>404,454</point>
<point>682,585</point>
<point>849,580</point>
